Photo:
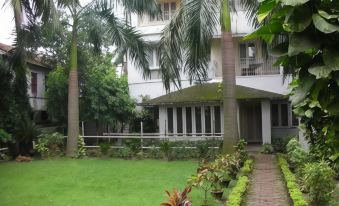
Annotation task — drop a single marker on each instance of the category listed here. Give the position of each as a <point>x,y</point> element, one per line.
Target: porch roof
<point>210,92</point>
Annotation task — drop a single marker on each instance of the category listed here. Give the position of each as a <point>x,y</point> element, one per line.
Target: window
<point>282,115</point>
<point>34,83</point>
<point>208,128</point>
<point>168,11</point>
<point>217,119</point>
<point>188,120</point>
<point>154,64</point>
<point>179,120</point>
<point>247,50</point>
<point>170,120</point>
<point>198,119</point>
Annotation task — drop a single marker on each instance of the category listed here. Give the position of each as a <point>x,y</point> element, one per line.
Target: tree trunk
<point>73,97</point>
<point>229,84</point>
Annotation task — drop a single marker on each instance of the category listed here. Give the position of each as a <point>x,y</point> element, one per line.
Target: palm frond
<point>186,41</point>
<point>140,7</point>
<point>126,37</point>
<point>251,8</point>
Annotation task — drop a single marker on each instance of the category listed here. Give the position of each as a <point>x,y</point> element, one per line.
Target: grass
<point>90,182</point>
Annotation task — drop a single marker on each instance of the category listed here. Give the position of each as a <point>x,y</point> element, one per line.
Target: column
<point>266,121</point>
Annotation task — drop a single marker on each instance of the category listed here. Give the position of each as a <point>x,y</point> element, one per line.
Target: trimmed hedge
<point>293,188</point>
<point>235,197</point>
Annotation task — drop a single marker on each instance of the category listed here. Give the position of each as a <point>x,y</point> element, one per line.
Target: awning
<point>209,92</point>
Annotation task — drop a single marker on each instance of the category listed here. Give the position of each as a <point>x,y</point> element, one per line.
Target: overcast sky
<point>6,24</point>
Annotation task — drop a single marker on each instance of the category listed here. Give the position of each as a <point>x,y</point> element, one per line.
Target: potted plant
<point>178,198</point>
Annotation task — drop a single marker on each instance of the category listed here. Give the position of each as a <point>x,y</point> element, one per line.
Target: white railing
<point>258,66</point>
<point>116,139</point>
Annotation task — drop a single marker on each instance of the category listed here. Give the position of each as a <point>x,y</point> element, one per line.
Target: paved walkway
<point>267,188</point>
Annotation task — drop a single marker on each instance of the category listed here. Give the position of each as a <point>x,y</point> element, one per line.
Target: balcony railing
<point>258,66</point>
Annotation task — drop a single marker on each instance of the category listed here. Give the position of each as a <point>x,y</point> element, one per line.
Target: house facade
<point>264,111</point>
<point>36,78</point>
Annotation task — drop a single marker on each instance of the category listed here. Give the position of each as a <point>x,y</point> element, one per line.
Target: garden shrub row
<point>238,191</point>
<point>293,188</point>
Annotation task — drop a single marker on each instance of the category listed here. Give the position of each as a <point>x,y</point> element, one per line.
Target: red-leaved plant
<point>178,198</point>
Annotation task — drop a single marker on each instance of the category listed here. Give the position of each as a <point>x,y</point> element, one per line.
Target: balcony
<point>257,66</point>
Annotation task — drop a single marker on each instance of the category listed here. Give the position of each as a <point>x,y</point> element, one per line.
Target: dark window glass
<point>166,11</point>
<point>173,8</point>
<point>284,114</point>
<point>170,119</point>
<point>208,128</point>
<point>243,51</point>
<point>217,120</point>
<point>198,119</point>
<point>179,120</point>
<point>188,120</point>
<point>274,115</point>
<point>34,83</point>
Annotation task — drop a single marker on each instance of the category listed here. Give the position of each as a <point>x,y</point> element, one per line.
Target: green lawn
<point>91,182</point>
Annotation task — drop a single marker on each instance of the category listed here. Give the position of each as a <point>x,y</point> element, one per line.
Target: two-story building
<point>36,78</point>
<point>263,107</point>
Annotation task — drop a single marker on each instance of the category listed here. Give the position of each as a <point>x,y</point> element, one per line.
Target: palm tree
<point>186,47</point>
<point>94,15</point>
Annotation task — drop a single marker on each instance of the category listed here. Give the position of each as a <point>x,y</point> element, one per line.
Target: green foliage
<point>5,137</point>
<point>296,154</point>
<point>125,152</point>
<point>166,149</point>
<point>104,148</point>
<point>319,179</point>
<point>293,189</point>
<point>134,145</point>
<point>81,152</point>
<point>305,34</point>
<point>247,168</point>
<point>267,148</point>
<point>203,148</point>
<point>236,196</point>
<point>57,95</point>
<point>279,144</point>
<point>26,130</point>
<point>52,142</point>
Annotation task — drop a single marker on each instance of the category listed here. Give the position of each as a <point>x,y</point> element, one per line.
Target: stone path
<point>267,188</point>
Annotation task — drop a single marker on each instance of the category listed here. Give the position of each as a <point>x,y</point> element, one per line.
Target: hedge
<point>235,197</point>
<point>293,188</point>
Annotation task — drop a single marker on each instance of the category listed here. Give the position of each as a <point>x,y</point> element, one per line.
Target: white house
<point>36,77</point>
<point>263,108</point>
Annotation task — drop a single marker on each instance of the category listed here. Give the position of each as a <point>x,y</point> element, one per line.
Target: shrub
<point>104,148</point>
<point>125,153</point>
<point>134,145</point>
<point>5,137</point>
<point>42,148</point>
<point>292,145</point>
<point>178,198</point>
<point>240,148</point>
<point>54,142</point>
<point>81,152</point>
<point>247,168</point>
<point>267,149</point>
<point>293,189</point>
<point>279,144</point>
<point>296,154</point>
<point>235,197</point>
<point>203,149</point>
<point>166,149</point>
<point>319,179</point>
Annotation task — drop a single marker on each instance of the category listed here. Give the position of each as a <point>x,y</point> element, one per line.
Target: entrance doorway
<point>250,121</point>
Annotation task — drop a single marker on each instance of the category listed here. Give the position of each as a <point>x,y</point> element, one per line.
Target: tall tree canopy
<point>305,36</point>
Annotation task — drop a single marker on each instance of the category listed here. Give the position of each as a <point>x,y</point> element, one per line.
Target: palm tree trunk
<point>229,84</point>
<point>73,97</point>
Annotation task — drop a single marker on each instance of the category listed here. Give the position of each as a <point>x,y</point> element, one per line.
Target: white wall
<point>37,102</point>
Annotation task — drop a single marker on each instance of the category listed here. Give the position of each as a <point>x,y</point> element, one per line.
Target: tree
<point>304,35</point>
<point>93,15</point>
<point>186,47</point>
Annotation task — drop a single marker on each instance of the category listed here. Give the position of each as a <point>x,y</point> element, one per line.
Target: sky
<point>6,24</point>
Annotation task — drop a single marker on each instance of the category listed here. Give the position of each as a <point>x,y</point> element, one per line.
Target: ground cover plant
<point>94,182</point>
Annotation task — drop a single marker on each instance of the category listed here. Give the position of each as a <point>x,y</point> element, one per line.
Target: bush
<point>125,152</point>
<point>81,152</point>
<point>134,145</point>
<point>203,149</point>
<point>247,168</point>
<point>235,197</point>
<point>104,148</point>
<point>296,154</point>
<point>267,149</point>
<point>166,149</point>
<point>42,148</point>
<point>50,144</point>
<point>293,189</point>
<point>279,144</point>
<point>319,179</point>
<point>5,137</point>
